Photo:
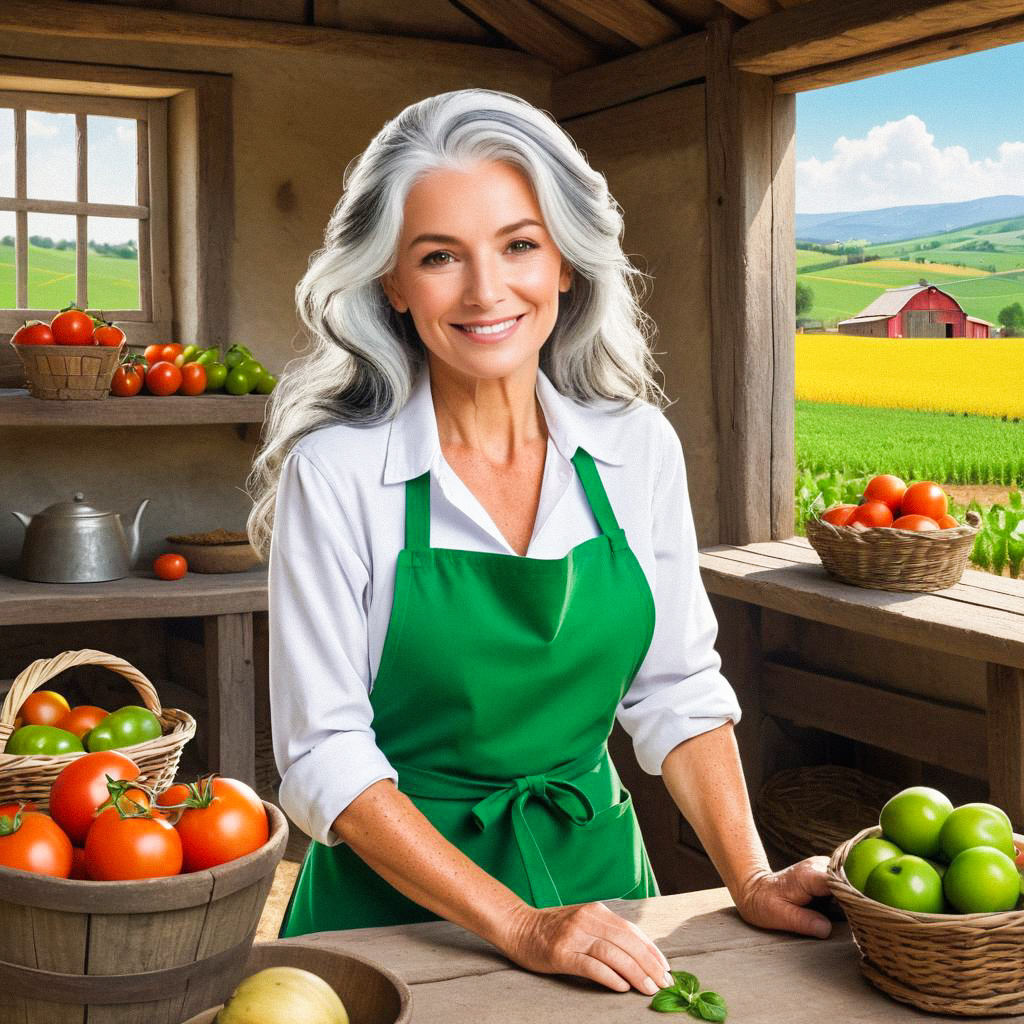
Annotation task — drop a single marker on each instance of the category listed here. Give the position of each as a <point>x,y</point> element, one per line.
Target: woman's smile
<point>488,335</point>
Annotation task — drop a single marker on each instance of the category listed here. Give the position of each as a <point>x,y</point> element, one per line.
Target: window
<point>83,209</point>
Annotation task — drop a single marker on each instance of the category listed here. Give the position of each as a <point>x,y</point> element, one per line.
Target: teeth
<point>493,329</point>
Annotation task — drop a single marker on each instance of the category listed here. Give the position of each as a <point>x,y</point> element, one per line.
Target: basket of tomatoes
<point>897,538</point>
<point>40,734</point>
<point>72,357</point>
<point>122,903</point>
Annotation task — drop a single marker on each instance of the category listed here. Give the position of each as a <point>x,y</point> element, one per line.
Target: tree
<point>1012,318</point>
<point>804,297</point>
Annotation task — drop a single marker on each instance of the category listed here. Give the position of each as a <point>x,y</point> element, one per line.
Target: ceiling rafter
<point>698,12</point>
<point>749,9</point>
<point>635,20</point>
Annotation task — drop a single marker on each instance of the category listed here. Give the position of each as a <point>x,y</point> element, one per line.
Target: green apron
<point>496,694</point>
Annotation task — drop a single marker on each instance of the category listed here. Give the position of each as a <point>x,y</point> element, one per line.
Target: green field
<point>113,282</point>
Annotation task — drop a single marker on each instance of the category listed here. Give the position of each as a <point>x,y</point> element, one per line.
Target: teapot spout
<point>25,520</point>
<point>134,531</point>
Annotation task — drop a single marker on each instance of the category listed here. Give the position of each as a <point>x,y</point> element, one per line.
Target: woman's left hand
<point>776,899</point>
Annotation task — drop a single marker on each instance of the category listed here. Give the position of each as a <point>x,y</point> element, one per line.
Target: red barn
<point>915,311</point>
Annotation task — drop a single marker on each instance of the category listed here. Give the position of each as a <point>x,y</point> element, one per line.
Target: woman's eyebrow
<point>451,240</point>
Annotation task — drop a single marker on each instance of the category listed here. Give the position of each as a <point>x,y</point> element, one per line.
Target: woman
<point>482,555</point>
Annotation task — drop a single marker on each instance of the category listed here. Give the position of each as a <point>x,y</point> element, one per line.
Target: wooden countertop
<point>764,976</point>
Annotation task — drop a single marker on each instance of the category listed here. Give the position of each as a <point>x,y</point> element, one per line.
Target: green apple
<point>913,818</point>
<point>976,824</point>
<point>908,883</point>
<point>865,857</point>
<point>982,880</point>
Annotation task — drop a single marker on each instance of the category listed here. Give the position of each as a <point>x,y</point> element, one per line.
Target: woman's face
<point>468,256</point>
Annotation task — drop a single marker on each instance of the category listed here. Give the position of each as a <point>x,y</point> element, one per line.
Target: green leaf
<point>685,982</point>
<point>670,1000</point>
<point>709,1006</point>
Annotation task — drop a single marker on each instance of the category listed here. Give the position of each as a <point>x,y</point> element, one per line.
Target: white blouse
<point>340,523</point>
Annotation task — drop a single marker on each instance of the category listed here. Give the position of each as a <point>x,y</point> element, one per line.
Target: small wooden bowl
<point>236,556</point>
<point>371,993</point>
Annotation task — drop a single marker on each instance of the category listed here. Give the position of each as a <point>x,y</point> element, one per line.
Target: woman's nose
<point>483,283</point>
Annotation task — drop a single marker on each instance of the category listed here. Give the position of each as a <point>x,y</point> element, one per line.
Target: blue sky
<point>942,132</point>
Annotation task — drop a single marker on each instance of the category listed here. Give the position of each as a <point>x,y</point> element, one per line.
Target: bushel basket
<point>69,371</point>
<point>29,776</point>
<point>889,559</point>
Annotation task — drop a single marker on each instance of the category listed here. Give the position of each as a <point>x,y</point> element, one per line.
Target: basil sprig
<point>686,996</point>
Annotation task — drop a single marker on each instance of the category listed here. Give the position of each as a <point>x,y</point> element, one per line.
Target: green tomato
<point>982,880</point>
<point>235,355</point>
<point>124,728</point>
<point>187,354</point>
<point>865,857</point>
<point>211,355</point>
<point>216,374</point>
<point>43,739</point>
<point>265,383</point>
<point>907,882</point>
<point>913,818</point>
<point>976,824</point>
<point>251,366</point>
<point>240,382</point>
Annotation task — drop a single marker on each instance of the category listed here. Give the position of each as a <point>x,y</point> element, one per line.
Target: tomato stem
<point>8,826</point>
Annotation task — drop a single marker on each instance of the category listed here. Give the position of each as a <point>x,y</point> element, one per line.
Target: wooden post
<point>750,132</point>
<point>231,695</point>
<point>1006,741</point>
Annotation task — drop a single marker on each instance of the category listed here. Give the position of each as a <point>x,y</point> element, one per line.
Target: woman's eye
<point>429,259</point>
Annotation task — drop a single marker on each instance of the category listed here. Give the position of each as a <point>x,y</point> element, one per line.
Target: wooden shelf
<point>139,596</point>
<point>19,409</point>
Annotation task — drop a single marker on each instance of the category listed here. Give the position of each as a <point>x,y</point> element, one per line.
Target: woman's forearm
<point>704,776</point>
<point>388,831</point>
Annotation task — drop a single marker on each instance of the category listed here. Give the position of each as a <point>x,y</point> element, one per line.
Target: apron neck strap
<point>417,505</point>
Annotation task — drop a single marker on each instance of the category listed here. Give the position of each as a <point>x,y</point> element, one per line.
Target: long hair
<point>366,356</point>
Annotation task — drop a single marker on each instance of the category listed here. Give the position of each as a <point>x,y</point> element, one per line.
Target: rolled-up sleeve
<point>324,744</point>
<point>679,691</point>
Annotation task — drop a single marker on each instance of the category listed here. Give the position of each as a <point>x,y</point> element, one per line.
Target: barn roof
<point>862,320</point>
<point>891,301</point>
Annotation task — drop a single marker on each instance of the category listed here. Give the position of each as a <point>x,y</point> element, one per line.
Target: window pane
<point>52,157</point>
<point>51,260</point>
<point>113,263</point>
<point>7,292</point>
<point>6,151</point>
<point>113,159</point>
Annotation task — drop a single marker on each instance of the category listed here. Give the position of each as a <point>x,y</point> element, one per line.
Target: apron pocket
<point>605,858</point>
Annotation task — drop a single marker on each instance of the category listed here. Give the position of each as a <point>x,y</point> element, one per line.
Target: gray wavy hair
<point>366,356</point>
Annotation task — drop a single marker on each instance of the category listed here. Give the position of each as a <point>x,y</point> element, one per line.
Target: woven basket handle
<point>42,669</point>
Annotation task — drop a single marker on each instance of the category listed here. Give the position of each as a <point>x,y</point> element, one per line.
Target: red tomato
<point>44,707</point>
<point>82,786</point>
<point>925,499</point>
<point>72,327</point>
<point>81,719</point>
<point>163,378</point>
<point>838,515</point>
<point>153,353</point>
<point>78,868</point>
<point>887,488</point>
<point>169,566</point>
<point>915,522</point>
<point>947,522</point>
<point>11,809</point>
<point>871,513</point>
<point>33,841</point>
<point>34,332</point>
<point>122,848</point>
<point>193,379</point>
<point>127,381</point>
<point>171,351</point>
<point>227,820</point>
<point>108,334</point>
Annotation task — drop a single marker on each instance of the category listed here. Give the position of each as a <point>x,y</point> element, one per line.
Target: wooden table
<point>980,618</point>
<point>224,601</point>
<point>764,976</point>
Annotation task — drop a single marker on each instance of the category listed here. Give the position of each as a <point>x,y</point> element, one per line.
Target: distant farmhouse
<point>915,311</point>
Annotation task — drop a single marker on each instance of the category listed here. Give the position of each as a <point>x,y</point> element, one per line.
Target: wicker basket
<point>29,776</point>
<point>807,812</point>
<point>69,371</point>
<point>969,965</point>
<point>890,559</point>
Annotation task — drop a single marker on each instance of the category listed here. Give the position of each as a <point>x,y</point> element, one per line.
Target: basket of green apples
<point>933,895</point>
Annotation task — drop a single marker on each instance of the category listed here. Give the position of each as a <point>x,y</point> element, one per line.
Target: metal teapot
<point>71,542</point>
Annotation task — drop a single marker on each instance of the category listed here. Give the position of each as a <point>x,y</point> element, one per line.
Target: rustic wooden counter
<point>764,976</point>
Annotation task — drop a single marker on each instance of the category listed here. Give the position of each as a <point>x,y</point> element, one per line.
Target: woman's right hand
<point>585,939</point>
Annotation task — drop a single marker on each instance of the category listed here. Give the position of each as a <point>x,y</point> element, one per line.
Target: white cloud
<point>898,164</point>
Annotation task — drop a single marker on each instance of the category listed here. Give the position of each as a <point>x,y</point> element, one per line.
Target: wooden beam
<point>1006,741</point>
<point>537,32</point>
<point>635,20</point>
<point>911,55</point>
<point>231,695</point>
<point>829,31</point>
<point>927,730</point>
<point>699,12</point>
<point>749,9</point>
<point>630,78</point>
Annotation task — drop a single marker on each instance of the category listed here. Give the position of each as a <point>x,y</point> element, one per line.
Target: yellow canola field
<point>982,375</point>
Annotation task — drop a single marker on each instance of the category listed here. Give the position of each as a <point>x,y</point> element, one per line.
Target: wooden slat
<point>806,591</point>
<point>749,9</point>
<point>629,78</point>
<point>231,695</point>
<point>537,32</point>
<point>138,597</point>
<point>699,12</point>
<point>827,31</point>
<point>928,730</point>
<point>1004,32</point>
<point>1006,741</point>
<point>635,20</point>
